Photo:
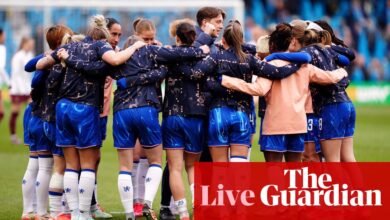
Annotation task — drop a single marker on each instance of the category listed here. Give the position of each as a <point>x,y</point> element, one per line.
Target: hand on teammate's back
<point>157,43</point>
<point>137,45</point>
<point>62,54</point>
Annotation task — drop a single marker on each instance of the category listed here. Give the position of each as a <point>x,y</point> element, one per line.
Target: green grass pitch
<point>372,143</point>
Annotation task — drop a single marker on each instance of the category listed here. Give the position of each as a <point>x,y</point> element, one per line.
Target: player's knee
<point>56,182</point>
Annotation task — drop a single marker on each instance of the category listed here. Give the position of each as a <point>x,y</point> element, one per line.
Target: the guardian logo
<point>314,190</point>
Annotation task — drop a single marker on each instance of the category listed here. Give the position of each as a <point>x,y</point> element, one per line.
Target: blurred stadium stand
<point>364,25</point>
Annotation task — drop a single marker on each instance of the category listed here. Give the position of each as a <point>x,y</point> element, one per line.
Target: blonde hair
<point>67,39</point>
<point>299,23</point>
<point>262,44</point>
<point>312,36</point>
<point>98,28</point>
<point>174,24</point>
<point>140,25</point>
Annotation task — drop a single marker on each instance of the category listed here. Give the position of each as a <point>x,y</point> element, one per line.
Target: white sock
<point>152,182</point>
<point>125,187</point>
<point>71,188</point>
<point>173,207</point>
<point>34,194</point>
<point>238,159</point>
<point>56,188</point>
<point>143,168</point>
<point>86,187</point>
<point>65,207</point>
<point>181,206</point>
<point>28,185</point>
<point>249,154</point>
<point>42,184</point>
<point>192,189</point>
<point>134,180</point>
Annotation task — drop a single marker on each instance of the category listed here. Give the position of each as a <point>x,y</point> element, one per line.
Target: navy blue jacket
<point>37,84</point>
<point>184,96</point>
<point>225,62</point>
<point>144,72</point>
<point>322,95</point>
<point>78,86</point>
<point>205,39</point>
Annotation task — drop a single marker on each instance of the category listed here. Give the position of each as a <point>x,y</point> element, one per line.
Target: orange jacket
<point>286,99</point>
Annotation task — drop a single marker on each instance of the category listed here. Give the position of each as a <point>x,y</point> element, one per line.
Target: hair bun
<point>99,21</point>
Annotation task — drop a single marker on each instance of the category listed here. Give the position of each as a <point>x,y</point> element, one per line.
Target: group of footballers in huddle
<point>208,108</point>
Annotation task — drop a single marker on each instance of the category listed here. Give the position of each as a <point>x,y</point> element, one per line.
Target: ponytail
<point>325,37</point>
<point>234,37</point>
<point>325,25</point>
<point>310,37</point>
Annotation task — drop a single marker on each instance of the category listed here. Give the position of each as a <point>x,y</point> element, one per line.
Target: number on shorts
<point>310,124</point>
<point>320,124</point>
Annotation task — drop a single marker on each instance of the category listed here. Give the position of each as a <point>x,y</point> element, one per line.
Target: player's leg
<point>140,168</point>
<point>45,163</point>
<point>28,187</point>
<point>240,136</point>
<point>71,179</point>
<point>175,161</point>
<point>218,136</point>
<point>148,129</point>
<point>332,130</point>
<point>96,209</point>
<point>65,138</point>
<point>30,175</point>
<point>310,153</point>
<point>16,103</point>
<point>125,184</point>
<point>195,139</point>
<point>152,179</point>
<point>273,147</point>
<point>88,160</point>
<point>124,142</point>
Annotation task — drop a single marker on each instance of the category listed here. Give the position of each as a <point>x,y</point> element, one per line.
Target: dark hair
<point>280,38</point>
<point>234,37</point>
<point>1,31</point>
<point>209,13</point>
<point>141,25</point>
<point>55,34</point>
<point>186,33</point>
<point>110,22</point>
<point>328,28</point>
